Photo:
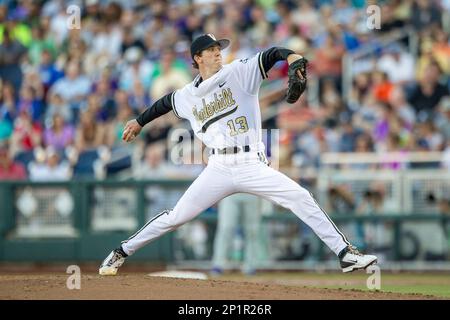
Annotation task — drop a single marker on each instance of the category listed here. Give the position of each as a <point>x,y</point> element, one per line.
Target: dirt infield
<point>142,286</point>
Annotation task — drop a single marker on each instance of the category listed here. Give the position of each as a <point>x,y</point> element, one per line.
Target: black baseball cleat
<point>351,259</point>
<point>113,262</point>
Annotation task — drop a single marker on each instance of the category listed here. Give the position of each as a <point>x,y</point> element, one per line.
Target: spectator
<point>129,40</point>
<point>18,30</point>
<point>331,101</point>
<point>340,200</point>
<point>153,165</point>
<point>53,169</point>
<point>296,118</point>
<point>388,123</point>
<point>360,88</point>
<point>59,135</point>
<point>7,111</point>
<point>314,142</point>
<point>92,15</point>
<point>402,108</point>
<point>75,49</point>
<point>424,14</point>
<point>429,92</point>
<point>236,50</point>
<point>11,54</point>
<point>389,19</point>
<point>328,60</point>
<point>73,88</point>
<point>159,131</point>
<point>393,146</point>
<point>307,18</point>
<point>170,77</point>
<point>364,144</point>
<point>58,24</point>
<point>9,169</point>
<point>89,134</point>
<point>121,101</point>
<point>441,50</point>
<point>430,136</point>
<point>38,45</point>
<point>27,134</point>
<point>344,12</point>
<point>136,68</point>
<point>139,99</point>
<point>398,65</point>
<point>260,26</point>
<point>107,40</point>
<point>48,72</point>
<point>115,127</point>
<point>381,86</point>
<point>283,27</point>
<point>349,134</point>
<point>29,102</point>
<point>57,105</point>
<point>107,106</point>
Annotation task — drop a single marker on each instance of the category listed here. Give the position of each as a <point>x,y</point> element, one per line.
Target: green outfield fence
<point>83,220</point>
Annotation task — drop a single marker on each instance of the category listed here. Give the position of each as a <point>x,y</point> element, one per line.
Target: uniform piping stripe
<point>211,121</point>
<point>151,220</point>
<point>262,158</point>
<point>261,67</point>
<point>173,105</point>
<point>331,221</point>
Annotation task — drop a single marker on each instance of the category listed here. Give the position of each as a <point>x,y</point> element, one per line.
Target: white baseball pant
<point>226,174</point>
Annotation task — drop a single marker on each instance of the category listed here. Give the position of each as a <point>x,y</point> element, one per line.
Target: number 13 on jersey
<point>242,124</point>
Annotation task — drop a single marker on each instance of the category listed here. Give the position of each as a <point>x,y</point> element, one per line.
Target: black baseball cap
<point>205,41</point>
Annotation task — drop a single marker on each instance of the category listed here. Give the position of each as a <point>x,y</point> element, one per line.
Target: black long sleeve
<point>271,56</point>
<point>159,108</point>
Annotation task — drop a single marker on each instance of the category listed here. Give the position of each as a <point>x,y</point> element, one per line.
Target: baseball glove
<point>296,84</point>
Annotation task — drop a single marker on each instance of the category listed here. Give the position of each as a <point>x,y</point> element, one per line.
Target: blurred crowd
<point>66,92</point>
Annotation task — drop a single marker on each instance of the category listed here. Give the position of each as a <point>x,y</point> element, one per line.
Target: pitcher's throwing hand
<point>131,131</point>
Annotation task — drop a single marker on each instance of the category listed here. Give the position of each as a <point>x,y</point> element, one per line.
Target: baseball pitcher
<point>222,106</point>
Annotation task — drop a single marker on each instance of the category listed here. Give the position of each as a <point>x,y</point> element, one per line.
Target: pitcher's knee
<point>178,217</point>
<point>300,194</point>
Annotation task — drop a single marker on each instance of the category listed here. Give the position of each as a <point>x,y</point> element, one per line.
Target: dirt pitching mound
<point>142,286</point>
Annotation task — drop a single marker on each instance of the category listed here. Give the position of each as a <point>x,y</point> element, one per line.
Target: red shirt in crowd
<point>13,171</point>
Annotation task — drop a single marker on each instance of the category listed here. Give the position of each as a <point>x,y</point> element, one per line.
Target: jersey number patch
<point>242,124</point>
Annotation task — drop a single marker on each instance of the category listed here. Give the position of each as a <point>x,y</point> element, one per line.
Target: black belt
<point>230,150</point>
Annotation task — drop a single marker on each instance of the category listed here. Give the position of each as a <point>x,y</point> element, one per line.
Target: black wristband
<point>139,121</point>
<point>159,108</point>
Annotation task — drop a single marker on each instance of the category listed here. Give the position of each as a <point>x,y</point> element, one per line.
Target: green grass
<point>433,290</point>
<point>408,283</point>
<point>434,284</point>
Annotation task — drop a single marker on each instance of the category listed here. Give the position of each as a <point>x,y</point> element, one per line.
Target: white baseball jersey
<point>224,109</point>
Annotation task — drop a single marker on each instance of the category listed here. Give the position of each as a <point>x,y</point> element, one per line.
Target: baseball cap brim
<point>223,43</point>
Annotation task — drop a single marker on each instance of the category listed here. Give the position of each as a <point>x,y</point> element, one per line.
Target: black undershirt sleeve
<point>159,108</point>
<point>271,56</point>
